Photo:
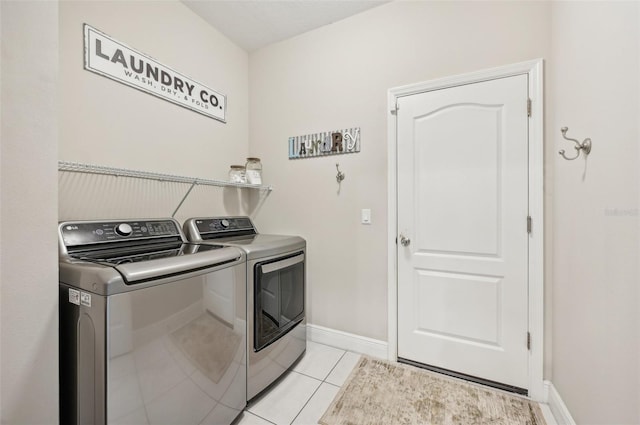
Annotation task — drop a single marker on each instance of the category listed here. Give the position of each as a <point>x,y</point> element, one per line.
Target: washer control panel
<point>86,233</point>
<point>124,229</point>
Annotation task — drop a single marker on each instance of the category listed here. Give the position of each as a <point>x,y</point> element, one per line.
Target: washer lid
<point>191,258</point>
<point>112,273</point>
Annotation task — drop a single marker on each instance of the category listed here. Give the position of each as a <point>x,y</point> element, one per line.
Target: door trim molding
<point>534,70</point>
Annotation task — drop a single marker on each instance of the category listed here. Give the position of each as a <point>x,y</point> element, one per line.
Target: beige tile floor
<point>303,394</point>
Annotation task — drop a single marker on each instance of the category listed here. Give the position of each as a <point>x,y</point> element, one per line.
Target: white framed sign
<point>107,57</point>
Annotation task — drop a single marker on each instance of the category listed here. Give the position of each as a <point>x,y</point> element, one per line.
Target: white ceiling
<point>252,24</point>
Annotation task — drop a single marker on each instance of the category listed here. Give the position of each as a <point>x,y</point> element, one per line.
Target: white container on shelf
<point>253,171</point>
<point>237,174</point>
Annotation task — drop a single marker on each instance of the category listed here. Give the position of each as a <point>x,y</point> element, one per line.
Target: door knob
<point>404,241</point>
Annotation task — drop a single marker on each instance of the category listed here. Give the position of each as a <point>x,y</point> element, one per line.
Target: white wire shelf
<point>77,167</point>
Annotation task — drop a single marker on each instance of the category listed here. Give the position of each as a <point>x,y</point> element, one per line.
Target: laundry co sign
<point>112,59</point>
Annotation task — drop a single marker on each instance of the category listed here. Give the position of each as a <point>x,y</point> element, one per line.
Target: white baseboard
<point>557,406</point>
<point>347,341</point>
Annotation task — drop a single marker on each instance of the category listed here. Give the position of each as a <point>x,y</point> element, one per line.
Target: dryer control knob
<point>225,223</point>
<point>123,229</point>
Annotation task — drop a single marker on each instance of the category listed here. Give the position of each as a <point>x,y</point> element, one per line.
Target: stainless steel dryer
<point>152,329</point>
<point>276,293</point>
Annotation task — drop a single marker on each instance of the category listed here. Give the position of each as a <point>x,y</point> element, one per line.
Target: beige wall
<point>28,248</point>
<point>337,77</point>
<point>107,123</point>
<point>596,309</point>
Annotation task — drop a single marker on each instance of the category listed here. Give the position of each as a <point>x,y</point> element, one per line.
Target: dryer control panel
<point>224,224</point>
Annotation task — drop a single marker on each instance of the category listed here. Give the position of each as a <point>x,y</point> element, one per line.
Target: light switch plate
<point>366,216</point>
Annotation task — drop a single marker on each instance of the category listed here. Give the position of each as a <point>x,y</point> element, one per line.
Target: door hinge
<point>394,110</point>
<point>528,340</point>
<point>528,224</point>
<point>528,107</point>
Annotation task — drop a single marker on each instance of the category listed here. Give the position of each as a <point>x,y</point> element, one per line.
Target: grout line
<point>305,404</point>
<point>334,366</point>
<point>321,382</point>
<point>258,416</point>
<point>328,373</point>
<point>300,373</point>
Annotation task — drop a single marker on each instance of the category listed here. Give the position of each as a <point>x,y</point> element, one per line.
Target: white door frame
<point>534,70</point>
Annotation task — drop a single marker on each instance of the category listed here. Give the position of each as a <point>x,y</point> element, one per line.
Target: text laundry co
<point>153,73</point>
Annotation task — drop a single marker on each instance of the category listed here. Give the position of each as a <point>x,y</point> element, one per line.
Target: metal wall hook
<point>584,146</point>
<point>340,175</point>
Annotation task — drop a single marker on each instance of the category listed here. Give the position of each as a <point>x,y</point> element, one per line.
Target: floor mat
<point>380,392</point>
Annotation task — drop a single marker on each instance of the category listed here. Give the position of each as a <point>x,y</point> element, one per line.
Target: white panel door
<point>462,210</point>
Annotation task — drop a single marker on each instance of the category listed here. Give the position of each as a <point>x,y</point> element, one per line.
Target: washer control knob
<point>225,223</point>
<point>123,229</point>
